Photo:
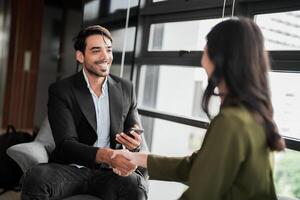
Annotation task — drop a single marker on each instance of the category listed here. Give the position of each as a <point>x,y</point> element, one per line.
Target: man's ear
<point>79,56</point>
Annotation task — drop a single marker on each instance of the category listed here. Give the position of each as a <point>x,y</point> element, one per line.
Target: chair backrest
<point>45,136</point>
<point>10,172</point>
<point>30,154</point>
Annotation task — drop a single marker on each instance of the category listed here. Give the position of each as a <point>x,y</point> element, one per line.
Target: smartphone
<point>137,130</point>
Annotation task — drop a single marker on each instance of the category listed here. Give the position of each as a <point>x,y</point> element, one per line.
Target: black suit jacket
<point>72,117</point>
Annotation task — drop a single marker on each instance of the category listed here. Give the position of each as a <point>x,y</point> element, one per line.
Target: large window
<point>170,81</point>
<point>174,89</point>
<point>118,36</point>
<point>175,36</point>
<point>117,5</point>
<point>171,139</point>
<point>286,102</point>
<point>165,43</point>
<point>159,0</point>
<point>281,30</point>
<point>286,174</point>
<point>120,43</point>
<point>91,10</point>
<point>282,38</point>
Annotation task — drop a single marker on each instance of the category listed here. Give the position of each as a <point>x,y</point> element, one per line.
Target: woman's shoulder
<point>236,118</point>
<point>237,113</point>
<point>238,123</point>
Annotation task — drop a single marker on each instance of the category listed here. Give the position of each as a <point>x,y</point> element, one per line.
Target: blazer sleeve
<point>64,131</point>
<point>210,171</point>
<point>170,168</point>
<point>133,118</point>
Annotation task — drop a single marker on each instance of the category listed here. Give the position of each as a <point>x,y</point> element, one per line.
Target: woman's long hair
<point>236,47</point>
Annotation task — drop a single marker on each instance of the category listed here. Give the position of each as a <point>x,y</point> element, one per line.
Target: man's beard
<point>94,72</point>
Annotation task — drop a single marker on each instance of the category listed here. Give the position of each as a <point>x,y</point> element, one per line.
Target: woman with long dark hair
<point>235,160</point>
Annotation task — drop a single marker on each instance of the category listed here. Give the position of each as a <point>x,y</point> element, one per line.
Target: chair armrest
<point>27,155</point>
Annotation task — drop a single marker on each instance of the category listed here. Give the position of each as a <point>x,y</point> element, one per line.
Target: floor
<point>10,195</point>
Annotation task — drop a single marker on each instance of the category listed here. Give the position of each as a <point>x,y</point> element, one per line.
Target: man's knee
<point>108,185</point>
<point>38,179</point>
<point>135,186</point>
<point>36,175</point>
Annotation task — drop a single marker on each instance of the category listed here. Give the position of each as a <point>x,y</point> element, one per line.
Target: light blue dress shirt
<point>102,113</point>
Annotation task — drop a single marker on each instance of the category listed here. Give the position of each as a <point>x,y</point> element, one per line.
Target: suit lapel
<point>85,100</point>
<point>116,108</point>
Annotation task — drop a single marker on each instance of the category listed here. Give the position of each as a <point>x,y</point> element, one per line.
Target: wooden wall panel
<point>20,91</point>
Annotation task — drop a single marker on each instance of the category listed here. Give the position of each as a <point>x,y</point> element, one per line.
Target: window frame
<point>147,13</point>
<point>167,11</point>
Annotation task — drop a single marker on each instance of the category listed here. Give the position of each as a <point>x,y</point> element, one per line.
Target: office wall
<point>5,17</point>
<point>57,60</point>
<point>22,65</point>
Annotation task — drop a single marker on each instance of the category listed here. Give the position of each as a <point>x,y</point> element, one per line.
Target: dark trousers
<point>56,181</point>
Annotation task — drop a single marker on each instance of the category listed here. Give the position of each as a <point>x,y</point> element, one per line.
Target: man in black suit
<point>88,114</point>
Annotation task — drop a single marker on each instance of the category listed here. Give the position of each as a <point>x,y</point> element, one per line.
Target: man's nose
<point>104,55</point>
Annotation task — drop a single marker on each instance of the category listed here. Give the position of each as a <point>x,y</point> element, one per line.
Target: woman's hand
<point>136,158</point>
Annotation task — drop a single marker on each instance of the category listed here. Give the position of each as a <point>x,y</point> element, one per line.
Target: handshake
<point>123,162</point>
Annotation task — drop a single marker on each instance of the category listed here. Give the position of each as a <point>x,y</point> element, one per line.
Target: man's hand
<point>136,158</point>
<point>122,165</point>
<point>125,154</point>
<point>117,162</point>
<point>104,155</point>
<point>129,142</point>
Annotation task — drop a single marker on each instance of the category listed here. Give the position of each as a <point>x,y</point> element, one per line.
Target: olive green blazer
<point>233,162</point>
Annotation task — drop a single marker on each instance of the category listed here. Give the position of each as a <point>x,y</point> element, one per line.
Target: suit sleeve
<point>64,131</point>
<point>170,168</point>
<point>211,171</point>
<point>133,118</point>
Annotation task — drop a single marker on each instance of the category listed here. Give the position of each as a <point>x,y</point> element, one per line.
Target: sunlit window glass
<point>116,5</point>
<point>286,102</point>
<point>174,89</point>
<point>116,70</point>
<point>119,39</point>
<point>281,30</point>
<point>171,139</point>
<point>287,174</point>
<point>186,35</point>
<point>91,10</point>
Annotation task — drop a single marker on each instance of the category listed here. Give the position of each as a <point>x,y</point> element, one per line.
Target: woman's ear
<point>79,56</point>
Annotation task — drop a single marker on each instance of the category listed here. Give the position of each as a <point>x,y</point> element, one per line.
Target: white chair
<point>30,154</point>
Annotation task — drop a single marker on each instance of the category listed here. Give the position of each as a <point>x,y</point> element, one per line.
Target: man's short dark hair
<point>80,39</point>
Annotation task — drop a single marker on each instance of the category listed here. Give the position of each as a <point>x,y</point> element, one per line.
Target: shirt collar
<point>104,85</point>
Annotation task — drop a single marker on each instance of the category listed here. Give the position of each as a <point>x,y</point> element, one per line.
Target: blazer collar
<point>86,104</point>
<point>116,108</point>
<point>85,100</point>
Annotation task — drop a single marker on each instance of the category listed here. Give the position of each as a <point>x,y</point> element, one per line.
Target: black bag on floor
<point>10,172</point>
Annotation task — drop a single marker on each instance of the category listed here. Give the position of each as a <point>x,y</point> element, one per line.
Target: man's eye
<point>95,51</point>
